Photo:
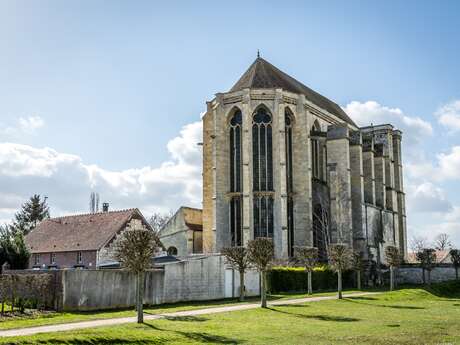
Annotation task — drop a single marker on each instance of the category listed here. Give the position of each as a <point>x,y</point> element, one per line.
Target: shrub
<point>294,279</point>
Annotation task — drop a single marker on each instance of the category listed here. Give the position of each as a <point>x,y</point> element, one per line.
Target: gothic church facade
<point>282,161</point>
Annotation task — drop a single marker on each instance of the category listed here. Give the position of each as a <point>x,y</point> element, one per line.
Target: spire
<point>258,53</point>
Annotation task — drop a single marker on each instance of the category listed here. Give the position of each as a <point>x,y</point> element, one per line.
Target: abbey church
<point>282,161</point>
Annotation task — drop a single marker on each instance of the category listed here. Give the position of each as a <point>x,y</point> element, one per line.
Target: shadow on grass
<point>394,326</point>
<point>189,318</point>
<point>199,336</point>
<point>318,317</point>
<point>409,307</point>
<point>449,289</point>
<point>363,298</point>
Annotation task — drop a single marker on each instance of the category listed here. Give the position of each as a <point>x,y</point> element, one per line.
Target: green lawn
<point>66,317</point>
<point>408,316</point>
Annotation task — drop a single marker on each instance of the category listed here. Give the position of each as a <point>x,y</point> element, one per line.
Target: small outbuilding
<point>182,235</point>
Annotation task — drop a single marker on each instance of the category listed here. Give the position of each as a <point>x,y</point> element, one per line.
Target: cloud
<point>67,180</point>
<point>446,167</point>
<point>427,198</point>
<point>414,128</point>
<point>449,116</point>
<point>24,125</point>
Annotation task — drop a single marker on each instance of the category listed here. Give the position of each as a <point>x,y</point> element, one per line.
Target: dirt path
<point>121,320</point>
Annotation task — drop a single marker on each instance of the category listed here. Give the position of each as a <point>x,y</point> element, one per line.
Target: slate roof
<point>78,232</point>
<point>263,75</point>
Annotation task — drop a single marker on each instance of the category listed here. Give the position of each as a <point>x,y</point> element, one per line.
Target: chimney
<point>105,207</point>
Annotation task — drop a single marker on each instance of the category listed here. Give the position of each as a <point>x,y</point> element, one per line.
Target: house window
<point>172,251</point>
<point>53,258</point>
<point>36,259</point>
<point>79,258</point>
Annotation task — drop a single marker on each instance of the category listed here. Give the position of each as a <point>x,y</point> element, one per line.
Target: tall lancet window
<point>235,152</point>
<point>236,183</point>
<point>262,162</point>
<point>262,151</point>
<point>288,122</point>
<point>315,151</point>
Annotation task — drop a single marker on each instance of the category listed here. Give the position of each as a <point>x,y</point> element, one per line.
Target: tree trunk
<point>263,292</point>
<point>423,276</point>
<point>310,289</point>
<point>392,286</point>
<point>140,297</point>
<point>339,283</point>
<point>456,273</point>
<point>429,277</point>
<point>358,278</point>
<point>241,286</point>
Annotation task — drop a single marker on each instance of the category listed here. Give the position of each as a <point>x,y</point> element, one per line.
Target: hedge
<point>294,279</point>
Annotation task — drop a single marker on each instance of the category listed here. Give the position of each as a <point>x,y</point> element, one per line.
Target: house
<point>79,241</point>
<point>182,234</point>
<point>442,257</point>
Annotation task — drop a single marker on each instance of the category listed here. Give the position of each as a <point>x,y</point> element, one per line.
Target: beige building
<point>282,161</point>
<point>182,234</point>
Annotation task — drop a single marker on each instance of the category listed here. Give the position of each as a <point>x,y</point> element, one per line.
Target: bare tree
<point>418,243</point>
<point>308,258</point>
<point>394,260</point>
<point>261,253</point>
<point>238,259</point>
<point>94,202</point>
<point>442,242</point>
<point>427,259</point>
<point>342,199</point>
<point>358,265</point>
<point>340,259</point>
<point>455,257</point>
<point>322,227</point>
<point>134,249</point>
<point>158,220</point>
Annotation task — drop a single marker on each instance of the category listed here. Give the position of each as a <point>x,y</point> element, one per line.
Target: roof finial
<point>258,53</point>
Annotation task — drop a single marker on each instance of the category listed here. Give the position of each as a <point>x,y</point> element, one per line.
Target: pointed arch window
<point>236,182</point>
<point>262,151</point>
<point>315,152</point>
<point>288,123</point>
<point>262,163</point>
<point>235,152</point>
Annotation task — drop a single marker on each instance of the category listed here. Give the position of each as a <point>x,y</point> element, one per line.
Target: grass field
<point>407,316</point>
<point>65,317</point>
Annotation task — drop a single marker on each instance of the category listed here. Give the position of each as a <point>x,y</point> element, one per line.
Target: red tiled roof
<point>78,232</point>
<point>442,257</point>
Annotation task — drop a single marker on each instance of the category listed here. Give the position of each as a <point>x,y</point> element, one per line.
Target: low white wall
<point>193,279</point>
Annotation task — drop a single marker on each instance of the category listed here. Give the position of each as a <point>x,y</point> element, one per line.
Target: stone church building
<point>282,161</point>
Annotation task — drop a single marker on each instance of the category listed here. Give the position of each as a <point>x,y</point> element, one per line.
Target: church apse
<point>282,161</point>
